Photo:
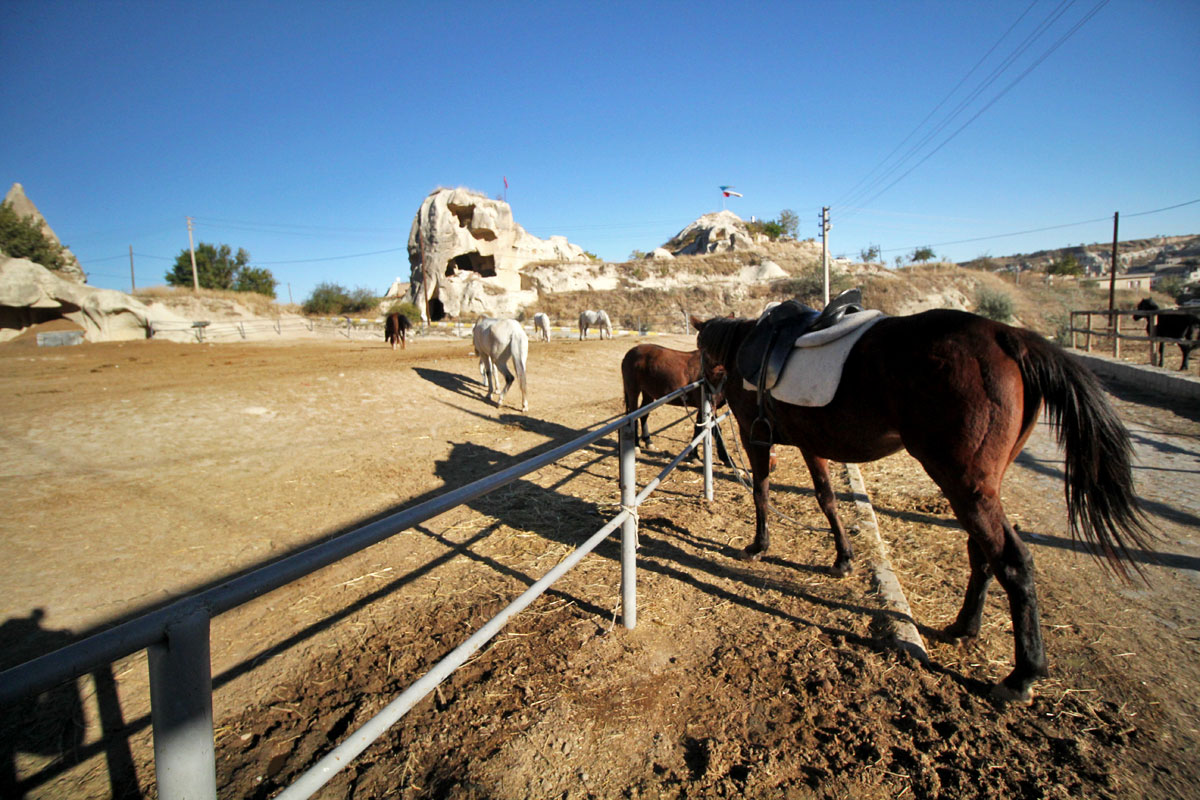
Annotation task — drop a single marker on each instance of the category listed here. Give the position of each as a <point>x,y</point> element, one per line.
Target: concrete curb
<point>904,629</point>
<point>1172,383</point>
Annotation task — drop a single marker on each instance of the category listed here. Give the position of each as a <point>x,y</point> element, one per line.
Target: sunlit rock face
<point>467,256</point>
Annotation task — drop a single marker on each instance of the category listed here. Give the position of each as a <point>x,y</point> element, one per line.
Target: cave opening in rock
<point>437,312</point>
<point>473,262</point>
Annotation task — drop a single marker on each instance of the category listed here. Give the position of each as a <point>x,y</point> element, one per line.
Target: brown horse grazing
<point>651,372</point>
<point>962,394</point>
<point>395,329</point>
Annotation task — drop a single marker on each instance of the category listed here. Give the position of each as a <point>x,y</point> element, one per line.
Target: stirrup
<point>770,432</point>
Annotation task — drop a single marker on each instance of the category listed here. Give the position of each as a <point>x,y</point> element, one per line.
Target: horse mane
<point>721,336</point>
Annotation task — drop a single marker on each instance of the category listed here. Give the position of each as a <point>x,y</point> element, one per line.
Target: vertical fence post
<point>706,416</point>
<point>627,441</point>
<point>1087,341</point>
<point>181,710</point>
<point>1116,334</point>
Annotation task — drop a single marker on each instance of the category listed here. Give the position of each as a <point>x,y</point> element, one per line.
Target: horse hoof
<point>841,570</point>
<point>1007,694</point>
<point>749,554</point>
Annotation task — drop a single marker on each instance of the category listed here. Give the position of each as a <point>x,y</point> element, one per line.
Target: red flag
<point>505,181</point>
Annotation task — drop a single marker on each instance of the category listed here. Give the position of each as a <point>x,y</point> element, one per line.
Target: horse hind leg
<point>1000,552</point>
<point>818,468</point>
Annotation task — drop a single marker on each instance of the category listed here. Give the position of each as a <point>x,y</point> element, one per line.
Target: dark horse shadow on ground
<point>453,382</point>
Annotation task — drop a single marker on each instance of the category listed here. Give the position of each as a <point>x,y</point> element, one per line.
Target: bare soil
<point>136,472</point>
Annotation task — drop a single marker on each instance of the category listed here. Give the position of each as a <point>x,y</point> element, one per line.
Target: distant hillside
<point>1151,255</point>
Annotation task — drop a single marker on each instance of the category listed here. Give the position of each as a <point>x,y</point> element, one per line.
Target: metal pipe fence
<point>176,636</point>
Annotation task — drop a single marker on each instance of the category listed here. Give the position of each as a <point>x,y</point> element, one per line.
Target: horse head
<point>1146,304</point>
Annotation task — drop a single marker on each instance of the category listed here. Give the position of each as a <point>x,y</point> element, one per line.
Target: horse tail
<point>629,379</point>
<point>520,347</point>
<point>1101,501</point>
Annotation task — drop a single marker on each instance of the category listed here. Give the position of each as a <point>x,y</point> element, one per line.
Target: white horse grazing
<point>496,341</point>
<point>541,326</point>
<point>594,319</point>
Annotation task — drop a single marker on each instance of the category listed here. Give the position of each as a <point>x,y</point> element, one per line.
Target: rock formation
<point>718,232</point>
<point>467,256</point>
<point>31,295</point>
<point>24,207</point>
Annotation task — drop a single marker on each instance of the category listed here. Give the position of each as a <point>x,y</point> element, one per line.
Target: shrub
<point>994,304</point>
<point>22,237</point>
<point>328,299</point>
<point>407,309</point>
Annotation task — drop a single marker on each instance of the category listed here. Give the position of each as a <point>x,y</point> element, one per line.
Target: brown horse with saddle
<point>961,394</point>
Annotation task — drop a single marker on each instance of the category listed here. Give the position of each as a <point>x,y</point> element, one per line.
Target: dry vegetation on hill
<point>1037,304</point>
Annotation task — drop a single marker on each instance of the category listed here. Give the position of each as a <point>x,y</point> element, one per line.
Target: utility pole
<point>825,226</point>
<point>192,250</point>
<point>1112,279</point>
<point>132,282</point>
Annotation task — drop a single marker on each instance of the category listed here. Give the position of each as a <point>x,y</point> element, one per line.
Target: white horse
<point>594,319</point>
<point>496,341</point>
<point>541,326</point>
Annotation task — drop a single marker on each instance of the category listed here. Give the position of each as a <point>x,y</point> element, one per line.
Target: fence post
<point>706,415</point>
<point>1087,340</point>
<point>627,441</point>
<point>181,710</point>
<point>1116,334</point>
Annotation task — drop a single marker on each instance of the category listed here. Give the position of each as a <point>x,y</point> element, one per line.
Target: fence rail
<point>1112,329</point>
<point>348,326</point>
<point>176,636</point>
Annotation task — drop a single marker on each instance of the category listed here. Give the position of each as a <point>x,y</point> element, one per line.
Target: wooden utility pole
<point>825,226</point>
<point>1112,279</point>
<point>192,250</point>
<point>132,281</point>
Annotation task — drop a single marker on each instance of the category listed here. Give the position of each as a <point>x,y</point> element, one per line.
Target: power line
<point>913,132</point>
<point>1042,230</point>
<point>1006,64</point>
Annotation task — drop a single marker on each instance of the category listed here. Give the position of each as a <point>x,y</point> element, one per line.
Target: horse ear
<point>697,323</point>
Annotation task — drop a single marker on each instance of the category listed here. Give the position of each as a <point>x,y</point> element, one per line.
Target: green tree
<point>216,266</point>
<point>789,221</point>
<point>1067,265</point>
<point>255,279</point>
<point>869,254</point>
<point>22,237</point>
<point>333,298</point>
<point>923,254</point>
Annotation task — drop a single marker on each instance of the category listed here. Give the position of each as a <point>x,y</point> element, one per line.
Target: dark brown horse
<point>649,372</point>
<point>395,330</point>
<point>1181,325</point>
<point>962,394</point>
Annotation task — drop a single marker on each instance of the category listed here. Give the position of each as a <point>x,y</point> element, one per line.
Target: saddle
<point>762,355</point>
<point>765,351</point>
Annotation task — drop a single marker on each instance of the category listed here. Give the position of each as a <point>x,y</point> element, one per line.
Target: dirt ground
<point>136,472</point>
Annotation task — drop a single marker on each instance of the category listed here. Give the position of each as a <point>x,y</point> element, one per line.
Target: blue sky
<point>304,130</point>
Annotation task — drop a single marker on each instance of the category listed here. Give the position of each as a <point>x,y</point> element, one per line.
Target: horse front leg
<point>818,468</point>
<point>759,455</point>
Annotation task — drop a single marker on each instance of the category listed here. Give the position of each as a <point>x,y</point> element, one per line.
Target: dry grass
<point>258,304</point>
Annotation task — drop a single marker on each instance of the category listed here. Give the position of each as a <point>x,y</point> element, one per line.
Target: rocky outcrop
<point>721,231</point>
<point>31,295</point>
<point>71,270</point>
<point>468,254</point>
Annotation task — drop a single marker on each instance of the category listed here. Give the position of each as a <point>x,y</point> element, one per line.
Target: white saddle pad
<point>814,369</point>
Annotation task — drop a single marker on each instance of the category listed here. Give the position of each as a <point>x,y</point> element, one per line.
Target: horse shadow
<point>52,724</point>
<point>453,382</point>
